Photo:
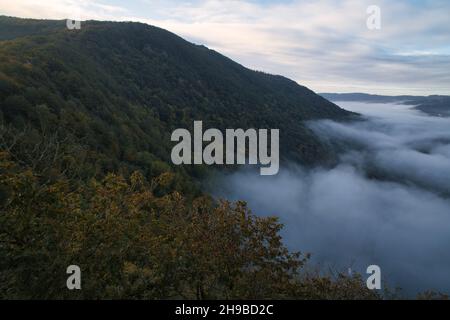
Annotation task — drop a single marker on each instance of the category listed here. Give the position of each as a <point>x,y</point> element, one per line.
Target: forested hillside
<point>114,92</point>
<point>86,179</point>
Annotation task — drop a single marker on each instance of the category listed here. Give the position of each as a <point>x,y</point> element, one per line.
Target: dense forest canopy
<point>116,91</point>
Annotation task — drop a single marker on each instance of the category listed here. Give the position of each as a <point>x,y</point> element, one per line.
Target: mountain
<point>434,105</point>
<point>438,106</point>
<point>364,97</point>
<point>114,92</point>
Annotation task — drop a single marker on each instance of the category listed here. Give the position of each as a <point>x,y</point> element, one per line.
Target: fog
<point>387,201</point>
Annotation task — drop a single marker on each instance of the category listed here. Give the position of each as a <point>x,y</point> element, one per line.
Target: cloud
<point>326,45</point>
<point>61,9</point>
<point>322,44</point>
<point>387,202</point>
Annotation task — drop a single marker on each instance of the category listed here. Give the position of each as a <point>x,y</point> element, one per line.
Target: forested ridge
<point>86,179</point>
<point>116,91</point>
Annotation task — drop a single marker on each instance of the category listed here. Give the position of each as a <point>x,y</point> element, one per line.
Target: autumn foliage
<point>133,240</point>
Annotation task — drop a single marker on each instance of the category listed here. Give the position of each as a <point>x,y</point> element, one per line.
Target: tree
<point>131,243</point>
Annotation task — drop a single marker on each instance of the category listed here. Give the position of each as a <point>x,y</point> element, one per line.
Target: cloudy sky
<point>325,45</point>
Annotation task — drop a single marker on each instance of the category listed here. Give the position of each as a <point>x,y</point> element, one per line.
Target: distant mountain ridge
<point>435,105</point>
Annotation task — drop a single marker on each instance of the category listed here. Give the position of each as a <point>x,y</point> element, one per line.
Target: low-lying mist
<point>387,202</point>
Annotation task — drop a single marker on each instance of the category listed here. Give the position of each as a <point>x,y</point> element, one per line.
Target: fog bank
<point>387,202</point>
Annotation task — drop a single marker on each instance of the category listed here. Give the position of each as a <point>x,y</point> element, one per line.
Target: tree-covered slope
<point>11,28</point>
<point>114,92</point>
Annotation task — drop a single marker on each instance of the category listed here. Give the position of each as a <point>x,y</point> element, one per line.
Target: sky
<point>324,45</point>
